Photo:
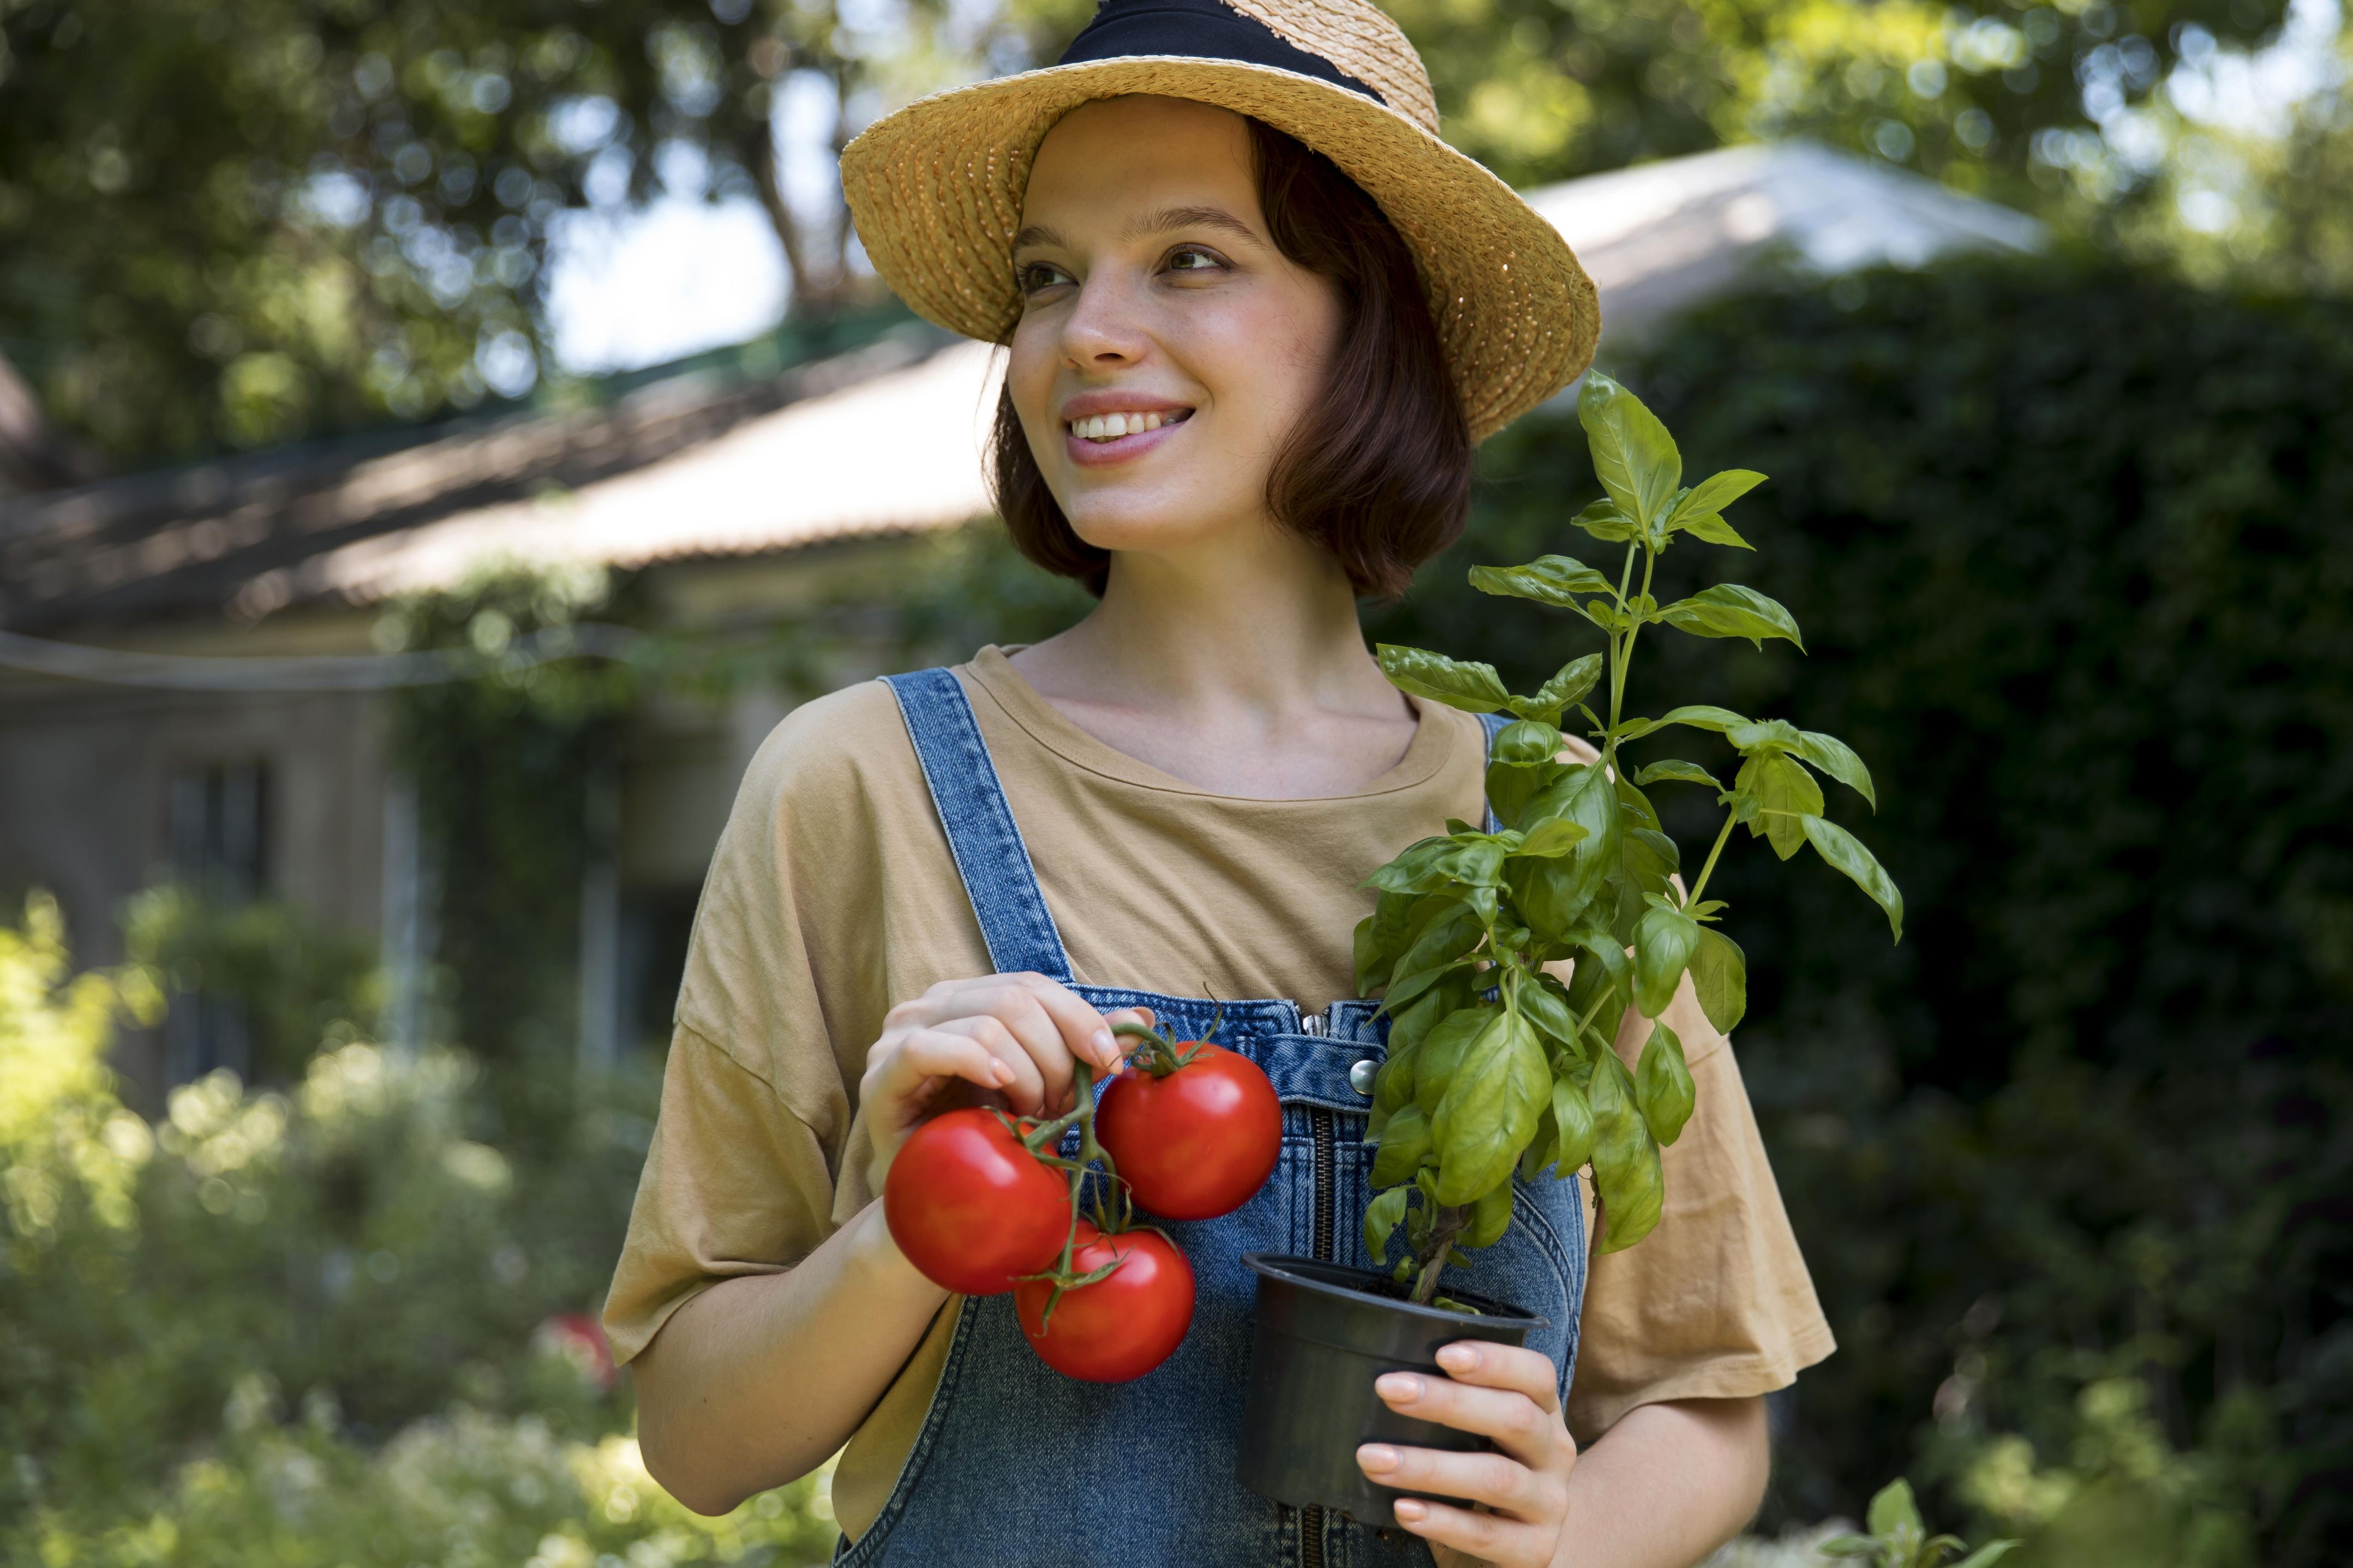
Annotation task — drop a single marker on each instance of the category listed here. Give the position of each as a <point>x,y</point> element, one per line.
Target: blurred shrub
<point>350,1249</point>
<point>2070,546</point>
<point>297,984</point>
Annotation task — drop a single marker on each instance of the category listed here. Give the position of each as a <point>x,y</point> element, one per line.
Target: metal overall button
<point>1361,1075</point>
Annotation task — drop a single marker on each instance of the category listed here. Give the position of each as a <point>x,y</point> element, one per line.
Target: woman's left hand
<point>1503,1391</point>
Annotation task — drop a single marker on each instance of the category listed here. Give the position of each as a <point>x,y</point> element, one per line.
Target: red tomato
<point>971,1207</point>
<point>1197,1143</point>
<point>1123,1325</point>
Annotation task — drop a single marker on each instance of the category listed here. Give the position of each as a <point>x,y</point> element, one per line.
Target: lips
<point>1100,437</point>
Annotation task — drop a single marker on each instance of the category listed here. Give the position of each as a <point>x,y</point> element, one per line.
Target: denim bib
<point>1018,1466</point>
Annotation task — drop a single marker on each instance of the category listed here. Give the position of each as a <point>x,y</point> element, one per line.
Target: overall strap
<point>989,854</point>
<point>1491,722</point>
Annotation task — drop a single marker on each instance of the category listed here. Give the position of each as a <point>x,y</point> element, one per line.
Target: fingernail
<point>1398,1388</point>
<point>1458,1358</point>
<point>1106,1048</point>
<point>1378,1459</point>
<point>1002,1072</point>
<point>1411,1511</point>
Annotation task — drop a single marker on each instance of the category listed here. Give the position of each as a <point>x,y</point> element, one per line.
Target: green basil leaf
<point>1711,528</point>
<point>1549,580</point>
<point>1762,735</point>
<point>1488,1113</point>
<point>1713,494</point>
<point>1606,523</point>
<point>1635,809</point>
<point>1662,1085</point>
<point>1572,1116</point>
<point>1471,686</point>
<point>1650,859</point>
<point>1843,850</point>
<point>1703,716</point>
<point>1729,610</point>
<point>1835,757</point>
<point>1663,942</point>
<point>1787,795</point>
<point>1547,1008</point>
<point>1634,456</point>
<point>1719,973</point>
<point>1450,934</point>
<point>1442,1052</point>
<point>1605,967</point>
<point>1668,769</point>
<point>1491,1215</point>
<point>1552,837</point>
<point>1991,1553</point>
<point>1382,1216</point>
<point>1527,742</point>
<point>1626,1179</point>
<point>1892,1507</point>
<point>1393,1085</point>
<point>1569,683</point>
<point>1406,987</point>
<point>1404,1146</point>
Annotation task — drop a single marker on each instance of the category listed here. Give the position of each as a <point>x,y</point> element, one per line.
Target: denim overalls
<point>1018,1466</point>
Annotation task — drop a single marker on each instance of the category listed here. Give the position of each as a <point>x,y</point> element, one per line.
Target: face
<point>1165,347</point>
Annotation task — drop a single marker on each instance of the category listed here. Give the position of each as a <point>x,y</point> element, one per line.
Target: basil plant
<point>1507,960</point>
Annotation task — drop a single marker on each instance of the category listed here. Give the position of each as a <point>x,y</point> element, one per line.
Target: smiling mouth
<point>1106,427</point>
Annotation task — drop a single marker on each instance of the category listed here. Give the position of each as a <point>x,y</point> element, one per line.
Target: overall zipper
<point>1319,1120</point>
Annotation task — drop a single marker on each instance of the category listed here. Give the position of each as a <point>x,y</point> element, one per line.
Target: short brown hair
<point>1378,469</point>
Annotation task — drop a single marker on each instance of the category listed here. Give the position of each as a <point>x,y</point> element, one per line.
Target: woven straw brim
<point>936,191</point>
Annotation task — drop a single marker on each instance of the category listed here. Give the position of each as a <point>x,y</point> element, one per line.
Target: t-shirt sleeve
<point>1715,1303</point>
<point>734,1183</point>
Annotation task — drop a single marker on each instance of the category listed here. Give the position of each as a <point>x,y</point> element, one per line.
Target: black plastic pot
<point>1323,1333</point>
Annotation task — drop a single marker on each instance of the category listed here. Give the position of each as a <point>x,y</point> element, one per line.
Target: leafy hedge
<point>2073,547</point>
<point>327,1325</point>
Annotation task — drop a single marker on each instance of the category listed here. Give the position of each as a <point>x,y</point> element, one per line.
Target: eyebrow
<point>1160,222</point>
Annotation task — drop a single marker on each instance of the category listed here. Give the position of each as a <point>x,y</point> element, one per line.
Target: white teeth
<point>1111,426</point>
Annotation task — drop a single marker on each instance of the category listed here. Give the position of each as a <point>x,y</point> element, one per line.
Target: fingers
<point>1496,1480</point>
<point>927,1054</point>
<point>1515,1367</point>
<point>1521,1427</point>
<point>1504,1543</point>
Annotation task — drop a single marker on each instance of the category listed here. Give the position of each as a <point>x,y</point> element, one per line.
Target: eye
<point>1033,276</point>
<point>1196,258</point>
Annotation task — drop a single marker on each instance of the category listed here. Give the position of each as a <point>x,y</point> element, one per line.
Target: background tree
<point>232,225</point>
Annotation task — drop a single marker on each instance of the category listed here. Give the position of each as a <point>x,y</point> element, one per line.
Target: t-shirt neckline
<point>990,669</point>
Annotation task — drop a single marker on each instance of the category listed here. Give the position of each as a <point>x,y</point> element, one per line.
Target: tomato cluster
<point>982,1204</point>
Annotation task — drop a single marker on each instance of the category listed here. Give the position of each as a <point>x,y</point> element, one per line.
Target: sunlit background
<point>437,442</point>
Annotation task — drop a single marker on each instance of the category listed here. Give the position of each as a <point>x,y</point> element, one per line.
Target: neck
<point>1259,628</point>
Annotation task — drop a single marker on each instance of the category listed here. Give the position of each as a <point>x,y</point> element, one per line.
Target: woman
<point>1256,314</point>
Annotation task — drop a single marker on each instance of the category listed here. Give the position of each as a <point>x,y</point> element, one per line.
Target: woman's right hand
<point>1017,1037</point>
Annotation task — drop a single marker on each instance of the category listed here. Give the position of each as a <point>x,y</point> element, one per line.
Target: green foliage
<point>2068,544</point>
<point>1577,871</point>
<point>1899,1538</point>
<point>297,984</point>
<point>347,1254</point>
<point>505,766</point>
<point>1542,89</point>
<point>241,224</point>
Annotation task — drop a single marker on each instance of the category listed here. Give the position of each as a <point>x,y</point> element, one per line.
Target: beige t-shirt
<point>832,895</point>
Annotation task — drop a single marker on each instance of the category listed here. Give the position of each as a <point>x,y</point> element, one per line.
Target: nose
<point>1105,330</point>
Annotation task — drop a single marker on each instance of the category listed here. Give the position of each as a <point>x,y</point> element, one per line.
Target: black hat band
<point>1200,29</point>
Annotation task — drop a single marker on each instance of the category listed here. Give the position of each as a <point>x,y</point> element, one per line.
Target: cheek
<point>1029,376</point>
<point>1277,357</point>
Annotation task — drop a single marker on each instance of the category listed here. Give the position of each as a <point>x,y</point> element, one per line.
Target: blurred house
<point>187,670</point>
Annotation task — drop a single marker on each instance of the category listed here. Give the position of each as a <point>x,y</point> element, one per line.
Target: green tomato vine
<point>1497,1065</point>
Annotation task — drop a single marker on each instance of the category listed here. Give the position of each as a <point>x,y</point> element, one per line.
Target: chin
<point>1156,522</point>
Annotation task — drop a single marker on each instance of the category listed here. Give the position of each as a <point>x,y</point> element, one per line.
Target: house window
<point>217,827</point>
<point>217,822</point>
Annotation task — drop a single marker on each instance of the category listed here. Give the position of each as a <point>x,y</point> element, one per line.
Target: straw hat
<point>936,188</point>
